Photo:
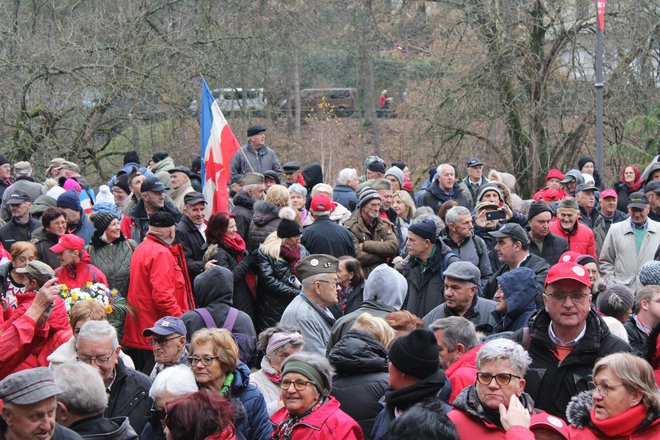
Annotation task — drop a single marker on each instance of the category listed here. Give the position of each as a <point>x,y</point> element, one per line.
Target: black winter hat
<point>416,354</point>
<point>157,157</point>
<point>161,219</point>
<point>536,208</point>
<point>377,167</point>
<point>131,157</point>
<point>122,182</point>
<point>3,159</point>
<point>102,220</point>
<point>288,226</point>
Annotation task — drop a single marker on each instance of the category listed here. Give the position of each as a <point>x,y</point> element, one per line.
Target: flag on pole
<point>600,5</point>
<point>218,147</point>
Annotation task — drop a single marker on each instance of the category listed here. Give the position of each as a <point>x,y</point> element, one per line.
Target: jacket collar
<point>322,312</point>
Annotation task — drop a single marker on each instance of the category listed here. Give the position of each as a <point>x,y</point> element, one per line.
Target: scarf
<point>284,431</point>
<point>406,397</point>
<point>637,183</point>
<point>237,244</point>
<point>622,425</point>
<point>291,256</point>
<point>276,377</point>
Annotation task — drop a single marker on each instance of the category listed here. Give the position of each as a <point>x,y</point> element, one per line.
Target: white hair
<point>323,188</point>
<point>97,330</point>
<point>504,349</point>
<point>444,165</point>
<point>346,175</point>
<point>83,390</point>
<point>176,380</point>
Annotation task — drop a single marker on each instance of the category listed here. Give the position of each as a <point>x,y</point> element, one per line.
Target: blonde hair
<point>375,327</point>
<point>407,200</point>
<point>278,195</point>
<point>272,245</point>
<point>223,346</point>
<point>323,188</point>
<point>19,247</point>
<point>86,311</point>
<point>636,375</point>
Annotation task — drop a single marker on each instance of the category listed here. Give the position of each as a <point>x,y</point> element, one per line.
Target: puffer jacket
<point>243,211</point>
<point>13,231</point>
<point>80,274</point>
<point>161,170</point>
<point>360,381</point>
<point>328,422</point>
<point>265,220</point>
<point>274,290</point>
<point>257,426</point>
<point>480,314</point>
<point>45,240</point>
<point>129,396</point>
<point>114,260</point>
<point>434,196</point>
<point>520,289</point>
<point>376,248</point>
<point>580,239</point>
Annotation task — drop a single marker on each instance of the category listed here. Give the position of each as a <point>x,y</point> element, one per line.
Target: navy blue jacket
<point>520,288</point>
<point>345,195</point>
<point>257,426</point>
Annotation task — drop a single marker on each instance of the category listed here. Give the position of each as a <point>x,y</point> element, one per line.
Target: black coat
<point>265,220</point>
<point>326,237</point>
<point>228,257</point>
<point>44,240</point>
<point>434,197</point>
<point>14,231</point>
<point>553,247</point>
<point>192,241</point>
<point>129,396</point>
<point>360,363</point>
<point>534,262</point>
<point>243,208</point>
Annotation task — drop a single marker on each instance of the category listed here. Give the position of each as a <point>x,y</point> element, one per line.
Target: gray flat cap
<point>28,386</point>
<point>463,270</point>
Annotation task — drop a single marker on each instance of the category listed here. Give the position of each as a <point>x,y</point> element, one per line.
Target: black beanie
<point>289,226</point>
<point>416,354</point>
<point>3,159</point>
<point>102,220</point>
<point>583,161</point>
<point>131,157</point>
<point>157,157</point>
<point>377,167</point>
<point>536,208</point>
<point>122,182</point>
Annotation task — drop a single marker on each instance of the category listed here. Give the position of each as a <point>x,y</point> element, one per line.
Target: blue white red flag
<point>218,147</point>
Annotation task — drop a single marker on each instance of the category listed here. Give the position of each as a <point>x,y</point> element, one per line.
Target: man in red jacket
<point>159,287</point>
<point>578,236</point>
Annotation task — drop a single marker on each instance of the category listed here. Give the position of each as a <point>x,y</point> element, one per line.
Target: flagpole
<point>599,85</point>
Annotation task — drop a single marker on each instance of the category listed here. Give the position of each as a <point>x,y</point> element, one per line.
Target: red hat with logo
<point>322,203</point>
<point>608,193</point>
<point>545,421</point>
<point>569,256</point>
<point>68,241</point>
<point>568,270</point>
<point>554,173</point>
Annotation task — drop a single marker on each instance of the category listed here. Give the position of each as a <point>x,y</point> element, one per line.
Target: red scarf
<point>276,378</point>
<point>292,256</point>
<point>622,425</point>
<point>637,183</point>
<point>238,244</point>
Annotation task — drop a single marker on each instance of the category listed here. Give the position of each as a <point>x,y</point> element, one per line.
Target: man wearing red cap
<point>75,268</point>
<point>325,236</point>
<point>565,339</point>
<point>610,214</point>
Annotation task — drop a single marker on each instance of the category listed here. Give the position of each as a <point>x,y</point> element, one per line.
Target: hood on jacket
<point>356,353</point>
<point>163,165</point>
<point>386,286</point>
<point>520,287</point>
<point>578,409</point>
<point>264,212</point>
<point>214,285</point>
<point>243,199</point>
<point>312,174</point>
<point>241,379</point>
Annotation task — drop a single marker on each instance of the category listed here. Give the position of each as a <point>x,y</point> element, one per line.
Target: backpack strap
<point>206,317</point>
<point>445,260</point>
<point>230,320</point>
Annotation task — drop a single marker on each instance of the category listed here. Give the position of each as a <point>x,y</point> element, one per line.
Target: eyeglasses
<point>336,283</point>
<point>159,414</point>
<point>206,360</point>
<point>99,360</point>
<point>299,384</point>
<point>502,379</point>
<point>161,342</point>
<point>561,297</point>
<point>603,389</point>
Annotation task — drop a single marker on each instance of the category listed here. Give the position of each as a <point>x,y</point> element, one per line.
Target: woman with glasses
<point>623,401</point>
<point>12,283</point>
<point>214,362</point>
<point>54,225</point>
<point>309,411</point>
<point>496,403</point>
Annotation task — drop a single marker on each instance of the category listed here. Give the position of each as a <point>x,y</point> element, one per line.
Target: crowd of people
<point>363,309</point>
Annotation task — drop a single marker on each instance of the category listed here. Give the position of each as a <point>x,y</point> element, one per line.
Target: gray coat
<point>114,260</point>
<point>480,314</point>
<point>314,322</point>
<point>249,160</point>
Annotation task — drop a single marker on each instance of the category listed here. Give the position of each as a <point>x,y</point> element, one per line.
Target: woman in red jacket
<point>76,268</point>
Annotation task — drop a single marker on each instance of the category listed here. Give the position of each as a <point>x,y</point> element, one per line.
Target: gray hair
<point>504,349</point>
<point>176,380</point>
<point>251,186</point>
<point>298,189</point>
<point>323,188</point>
<point>83,390</point>
<point>444,165</point>
<point>456,329</point>
<point>309,281</point>
<point>346,175</point>
<point>454,214</point>
<point>96,330</point>
<point>636,374</point>
<point>316,361</point>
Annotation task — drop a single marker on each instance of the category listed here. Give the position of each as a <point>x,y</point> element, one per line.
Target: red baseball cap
<point>322,203</point>
<point>608,193</point>
<point>554,173</point>
<point>568,270</point>
<point>569,256</point>
<point>68,241</point>
<point>549,422</point>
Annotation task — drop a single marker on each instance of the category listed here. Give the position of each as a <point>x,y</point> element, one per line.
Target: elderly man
<point>513,251</point>
<point>609,214</point>
<point>309,310</point>
<point>83,401</point>
<point>630,243</point>
<point>191,233</point>
<point>159,286</point>
<point>254,189</point>
<point>255,156</point>
<point>571,180</point>
<point>179,186</point>
<point>168,339</point>
<point>565,339</point>
<point>457,339</point>
<point>384,189</point>
<point>22,225</point>
<point>127,389</point>
<point>23,182</point>
<point>586,199</point>
<point>30,403</point>
<point>429,258</point>
<point>77,221</point>
<point>542,242</point>
<point>374,241</point>
<point>461,283</point>
<point>460,238</point>
<point>579,237</point>
<point>474,180</point>
<point>344,190</point>
<point>5,174</point>
<point>292,174</point>
<point>325,236</point>
<point>444,188</point>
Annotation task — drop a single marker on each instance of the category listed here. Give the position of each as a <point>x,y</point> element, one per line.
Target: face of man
<point>5,171</point>
<point>355,182</point>
<point>586,200</point>
<point>72,216</point>
<point>459,294</point>
<point>291,177</point>
<point>499,299</point>
<point>327,290</point>
<point>385,199</point>
<point>570,186</point>
<point>655,175</point>
<point>417,246</point>
<point>20,211</point>
<point>154,199</point>
<point>99,354</point>
<point>136,184</point>
<point>567,217</point>
<point>462,228</point>
<point>639,216</point>
<point>195,213</point>
<point>446,178</point>
<point>257,193</point>
<point>371,210</point>
<point>608,206</point>
<point>394,183</point>
<point>654,200</point>
<point>36,421</point>
<point>651,309</point>
<point>68,257</point>
<point>508,250</point>
<point>168,349</point>
<point>553,183</point>
<point>561,303</point>
<point>476,172</point>
<point>258,140</point>
<point>269,181</point>
<point>539,225</point>
<point>177,178</point>
<point>446,357</point>
<point>374,175</point>
<point>491,196</point>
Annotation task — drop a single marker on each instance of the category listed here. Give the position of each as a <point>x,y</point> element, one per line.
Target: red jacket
<point>463,372</point>
<point>327,422</point>
<point>159,286</point>
<point>579,240</point>
<point>473,428</point>
<point>83,272</point>
<point>651,432</point>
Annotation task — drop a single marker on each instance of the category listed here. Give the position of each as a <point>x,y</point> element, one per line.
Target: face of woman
<point>298,402</point>
<point>588,168</point>
<point>23,259</point>
<point>231,229</point>
<point>554,183</point>
<point>344,277</point>
<point>493,394</point>
<point>297,201</point>
<point>291,242</point>
<point>277,358</point>
<point>57,226</point>
<point>120,195</point>
<point>399,207</point>
<point>113,231</point>
<point>611,397</point>
<point>629,175</point>
<point>210,376</point>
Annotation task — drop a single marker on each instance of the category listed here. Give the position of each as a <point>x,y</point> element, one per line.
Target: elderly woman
<point>350,277</point>
<point>214,362</point>
<point>110,251</point>
<point>496,402</point>
<point>309,411</point>
<point>624,401</point>
<point>404,206</point>
<point>199,416</point>
<point>298,197</point>
<point>53,221</point>
<point>278,343</point>
<point>12,283</point>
